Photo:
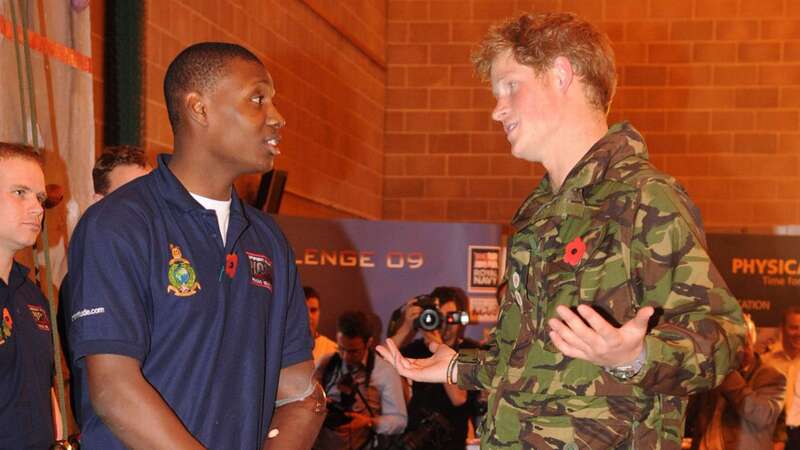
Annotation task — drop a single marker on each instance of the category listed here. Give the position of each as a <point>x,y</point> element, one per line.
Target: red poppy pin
<point>574,251</point>
<point>231,263</point>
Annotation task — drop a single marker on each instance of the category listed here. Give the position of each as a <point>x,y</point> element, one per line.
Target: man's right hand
<point>427,370</point>
<point>405,332</point>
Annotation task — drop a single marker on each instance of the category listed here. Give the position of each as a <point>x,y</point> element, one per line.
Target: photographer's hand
<point>429,370</point>
<point>405,332</point>
<point>359,421</point>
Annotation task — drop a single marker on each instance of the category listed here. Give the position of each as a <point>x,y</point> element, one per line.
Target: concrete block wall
<point>713,85</point>
<point>328,63</point>
<point>386,120</point>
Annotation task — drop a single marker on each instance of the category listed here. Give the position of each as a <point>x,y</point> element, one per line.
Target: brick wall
<point>328,63</point>
<point>713,85</point>
<point>387,120</point>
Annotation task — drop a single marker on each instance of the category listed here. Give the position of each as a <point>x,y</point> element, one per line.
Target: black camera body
<point>337,412</point>
<point>431,318</point>
<point>336,416</point>
<point>433,431</point>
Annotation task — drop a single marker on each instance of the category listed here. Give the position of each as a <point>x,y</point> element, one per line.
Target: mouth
<point>33,226</point>
<point>509,128</point>
<point>272,145</point>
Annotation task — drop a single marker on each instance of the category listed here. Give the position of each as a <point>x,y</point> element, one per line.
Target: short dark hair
<point>353,324</point>
<point>791,310</point>
<point>197,69</point>
<point>21,151</point>
<point>447,294</point>
<point>111,158</point>
<point>310,292</point>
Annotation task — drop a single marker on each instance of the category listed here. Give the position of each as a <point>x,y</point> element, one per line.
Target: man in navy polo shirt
<point>116,166</point>
<point>26,345</point>
<point>186,309</point>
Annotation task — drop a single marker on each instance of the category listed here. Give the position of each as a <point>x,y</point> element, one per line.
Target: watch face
<point>623,373</point>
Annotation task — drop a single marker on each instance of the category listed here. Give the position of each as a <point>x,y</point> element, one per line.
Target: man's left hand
<point>596,340</point>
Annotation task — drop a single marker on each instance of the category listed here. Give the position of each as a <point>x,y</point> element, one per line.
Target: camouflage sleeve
<point>477,367</point>
<point>699,323</point>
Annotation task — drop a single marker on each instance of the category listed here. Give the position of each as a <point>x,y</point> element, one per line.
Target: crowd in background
<point>754,408</point>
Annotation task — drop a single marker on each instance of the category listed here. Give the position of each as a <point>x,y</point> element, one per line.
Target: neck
<point>6,261</point>
<point>790,351</point>
<point>193,170</point>
<point>576,138</point>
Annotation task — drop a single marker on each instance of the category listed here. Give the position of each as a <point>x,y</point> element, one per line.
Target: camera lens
<point>429,320</point>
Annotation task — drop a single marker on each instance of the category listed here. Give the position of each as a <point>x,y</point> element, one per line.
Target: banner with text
<point>763,272</point>
<point>376,266</point>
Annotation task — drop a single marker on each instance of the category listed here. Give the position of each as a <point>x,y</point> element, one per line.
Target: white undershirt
<point>221,207</point>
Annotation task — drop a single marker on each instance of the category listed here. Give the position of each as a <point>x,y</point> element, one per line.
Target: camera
<point>433,431</point>
<point>432,318</point>
<point>66,444</point>
<point>336,417</point>
<point>337,412</point>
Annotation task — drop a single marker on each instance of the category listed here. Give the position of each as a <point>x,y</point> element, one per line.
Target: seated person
<point>365,394</point>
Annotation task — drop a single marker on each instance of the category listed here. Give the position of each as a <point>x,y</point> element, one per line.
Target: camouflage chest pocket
<point>568,257</point>
<point>515,306</point>
<point>590,269</point>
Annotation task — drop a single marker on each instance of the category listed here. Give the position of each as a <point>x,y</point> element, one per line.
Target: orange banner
<point>50,48</point>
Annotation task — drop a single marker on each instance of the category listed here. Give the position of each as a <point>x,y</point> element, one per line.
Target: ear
<point>196,108</point>
<point>369,342</point>
<point>562,73</point>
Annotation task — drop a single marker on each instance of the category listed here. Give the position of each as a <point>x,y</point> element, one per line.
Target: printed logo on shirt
<point>260,270</point>
<point>8,325</point>
<point>181,274</point>
<point>87,312</point>
<point>40,317</point>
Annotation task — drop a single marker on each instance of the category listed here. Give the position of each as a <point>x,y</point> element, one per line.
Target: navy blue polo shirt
<point>26,364</point>
<point>211,325</point>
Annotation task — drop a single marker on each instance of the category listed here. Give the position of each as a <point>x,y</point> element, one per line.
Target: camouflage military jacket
<point>618,235</point>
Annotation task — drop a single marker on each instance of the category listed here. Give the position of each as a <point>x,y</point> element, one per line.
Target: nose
<point>500,110</point>
<point>36,208</point>
<point>274,118</point>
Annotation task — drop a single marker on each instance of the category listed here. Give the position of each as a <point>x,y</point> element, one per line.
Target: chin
<point>267,164</point>
<point>523,154</point>
<point>259,166</point>
<point>27,242</point>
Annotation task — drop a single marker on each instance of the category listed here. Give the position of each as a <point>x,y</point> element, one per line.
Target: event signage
<point>763,272</point>
<point>377,266</point>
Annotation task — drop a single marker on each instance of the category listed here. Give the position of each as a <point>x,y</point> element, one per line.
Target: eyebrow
<point>500,78</point>
<point>41,196</point>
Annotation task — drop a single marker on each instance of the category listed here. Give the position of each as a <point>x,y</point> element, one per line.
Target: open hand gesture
<point>428,370</point>
<point>596,340</point>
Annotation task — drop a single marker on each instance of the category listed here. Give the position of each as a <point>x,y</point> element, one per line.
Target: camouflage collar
<point>622,141</point>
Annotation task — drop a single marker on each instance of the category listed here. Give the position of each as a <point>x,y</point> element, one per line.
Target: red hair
<point>537,40</point>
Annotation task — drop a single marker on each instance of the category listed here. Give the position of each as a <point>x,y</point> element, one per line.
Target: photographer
<point>437,413</point>
<point>365,394</point>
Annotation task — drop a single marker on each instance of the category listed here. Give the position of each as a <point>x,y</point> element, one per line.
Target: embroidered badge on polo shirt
<point>40,317</point>
<point>182,277</point>
<point>7,326</point>
<point>260,270</point>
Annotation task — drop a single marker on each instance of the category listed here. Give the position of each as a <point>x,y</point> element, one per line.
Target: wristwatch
<point>628,371</point>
